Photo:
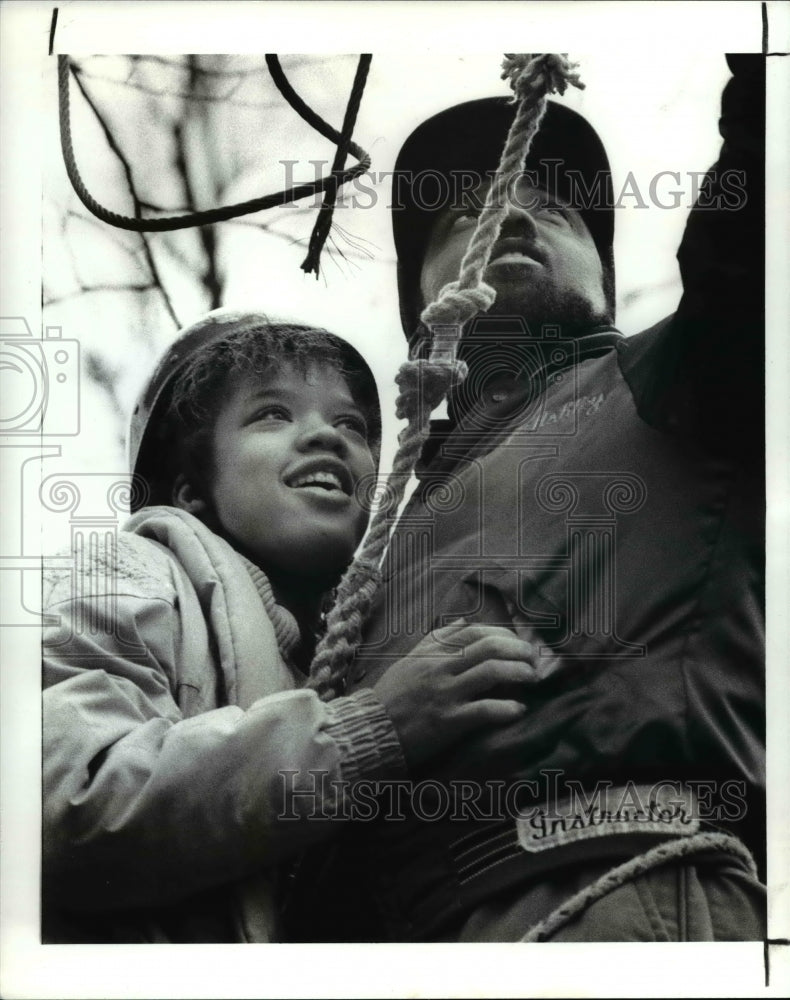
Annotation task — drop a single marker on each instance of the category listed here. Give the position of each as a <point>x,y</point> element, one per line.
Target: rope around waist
<point>424,875</point>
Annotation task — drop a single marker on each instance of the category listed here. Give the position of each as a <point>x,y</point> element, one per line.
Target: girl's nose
<point>316,433</point>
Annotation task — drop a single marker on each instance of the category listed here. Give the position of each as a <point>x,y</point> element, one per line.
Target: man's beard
<point>545,305</point>
<point>504,349</point>
<point>570,314</point>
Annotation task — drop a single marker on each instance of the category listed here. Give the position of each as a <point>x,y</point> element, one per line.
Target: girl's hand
<point>446,687</point>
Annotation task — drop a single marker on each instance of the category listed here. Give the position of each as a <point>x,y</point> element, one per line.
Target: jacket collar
<point>286,629</point>
<point>597,342</point>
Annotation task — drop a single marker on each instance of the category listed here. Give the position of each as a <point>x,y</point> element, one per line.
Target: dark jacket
<point>614,504</point>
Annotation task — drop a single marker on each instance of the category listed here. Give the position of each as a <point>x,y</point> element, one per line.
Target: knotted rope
<point>660,855</point>
<point>532,78</point>
<point>345,145</point>
<point>329,185</point>
<point>424,383</point>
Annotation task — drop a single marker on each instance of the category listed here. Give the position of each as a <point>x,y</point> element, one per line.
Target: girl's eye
<point>271,414</point>
<point>355,423</point>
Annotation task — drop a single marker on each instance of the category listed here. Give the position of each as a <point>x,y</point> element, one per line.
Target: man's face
<point>288,451</point>
<point>544,266</point>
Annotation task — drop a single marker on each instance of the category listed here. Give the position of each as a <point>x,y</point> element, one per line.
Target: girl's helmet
<point>148,462</point>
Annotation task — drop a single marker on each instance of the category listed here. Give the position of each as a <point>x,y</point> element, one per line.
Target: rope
<point>654,858</point>
<point>209,216</point>
<point>532,78</point>
<point>324,221</point>
<point>423,383</point>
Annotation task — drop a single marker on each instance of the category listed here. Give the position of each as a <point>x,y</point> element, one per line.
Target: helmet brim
<point>151,469</point>
<point>468,139</point>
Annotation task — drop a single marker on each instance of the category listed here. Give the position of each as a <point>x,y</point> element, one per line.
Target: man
<point>605,496</point>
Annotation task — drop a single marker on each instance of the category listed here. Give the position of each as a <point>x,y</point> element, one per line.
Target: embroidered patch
<point>607,812</point>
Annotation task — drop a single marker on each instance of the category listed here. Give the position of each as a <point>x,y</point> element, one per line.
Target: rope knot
<point>423,385</point>
<point>368,574</point>
<point>456,305</point>
<point>539,74</point>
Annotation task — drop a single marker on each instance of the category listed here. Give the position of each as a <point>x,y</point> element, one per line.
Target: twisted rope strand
<point>532,78</point>
<point>209,216</point>
<point>324,221</point>
<point>660,855</point>
<point>424,383</point>
<point>359,585</point>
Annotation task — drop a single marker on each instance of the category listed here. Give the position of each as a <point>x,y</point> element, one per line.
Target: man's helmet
<point>470,137</point>
<point>146,460</point>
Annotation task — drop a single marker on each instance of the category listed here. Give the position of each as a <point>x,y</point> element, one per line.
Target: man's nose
<point>519,220</point>
<point>317,434</point>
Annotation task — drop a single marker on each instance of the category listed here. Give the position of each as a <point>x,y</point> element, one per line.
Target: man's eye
<point>465,216</point>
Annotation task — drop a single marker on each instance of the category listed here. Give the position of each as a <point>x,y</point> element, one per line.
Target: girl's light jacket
<point>184,760</point>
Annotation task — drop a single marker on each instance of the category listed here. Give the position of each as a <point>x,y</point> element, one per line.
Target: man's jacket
<point>612,502</point>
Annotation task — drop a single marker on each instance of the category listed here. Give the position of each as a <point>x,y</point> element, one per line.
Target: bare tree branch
<point>172,241</point>
<point>110,139</point>
<point>184,95</point>
<point>90,289</point>
<point>132,191</point>
<point>106,378</point>
<point>260,69</point>
<point>72,215</point>
<point>210,276</point>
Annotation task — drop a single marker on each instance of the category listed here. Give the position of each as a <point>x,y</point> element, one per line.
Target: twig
<point>206,234</point>
<point>185,95</point>
<point>111,142</point>
<point>90,289</point>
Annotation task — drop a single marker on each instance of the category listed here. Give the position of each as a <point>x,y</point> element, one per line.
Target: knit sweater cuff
<point>367,738</point>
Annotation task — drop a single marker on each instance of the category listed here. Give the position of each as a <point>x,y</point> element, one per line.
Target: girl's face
<point>289,449</point>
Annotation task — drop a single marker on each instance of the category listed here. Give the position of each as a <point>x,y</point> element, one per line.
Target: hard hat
<point>470,137</point>
<point>151,468</point>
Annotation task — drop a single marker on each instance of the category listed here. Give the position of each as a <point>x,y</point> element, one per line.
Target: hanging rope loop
<point>423,383</point>
<point>456,304</point>
<point>329,185</point>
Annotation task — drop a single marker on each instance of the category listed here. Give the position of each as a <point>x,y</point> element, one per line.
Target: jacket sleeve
<point>702,370</point>
<point>144,806</point>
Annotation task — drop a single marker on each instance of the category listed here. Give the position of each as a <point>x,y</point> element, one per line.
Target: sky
<point>657,118</point>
